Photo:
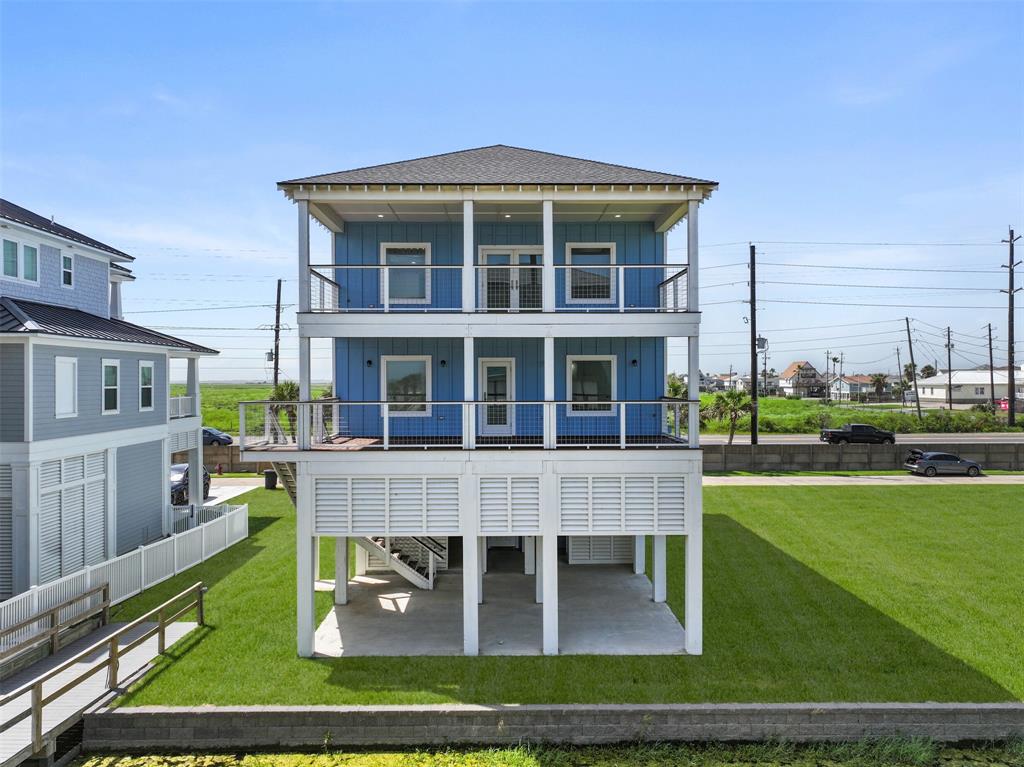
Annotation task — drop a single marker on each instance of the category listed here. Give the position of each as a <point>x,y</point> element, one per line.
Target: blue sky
<point>162,129</point>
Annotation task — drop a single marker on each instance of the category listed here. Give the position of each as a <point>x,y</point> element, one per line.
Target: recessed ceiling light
<point>380,215</point>
<point>508,215</point>
<point>618,215</point>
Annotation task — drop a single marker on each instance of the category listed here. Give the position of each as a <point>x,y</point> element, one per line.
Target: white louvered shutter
<point>671,504</point>
<point>606,504</point>
<point>640,504</point>
<point>574,504</point>
<point>525,502</point>
<point>72,529</point>
<point>6,532</point>
<point>368,506</point>
<point>331,505</point>
<point>406,505</point>
<point>443,504</point>
<point>95,537</point>
<point>494,498</point>
<point>49,537</point>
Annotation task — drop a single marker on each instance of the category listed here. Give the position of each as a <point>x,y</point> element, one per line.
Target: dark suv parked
<point>858,432</point>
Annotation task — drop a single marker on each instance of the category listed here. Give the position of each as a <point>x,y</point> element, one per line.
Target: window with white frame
<point>406,285</point>
<point>110,386</point>
<point>979,389</point>
<point>67,271</point>
<point>406,379</point>
<point>65,386</point>
<point>20,261</point>
<point>591,378</point>
<point>145,385</point>
<point>587,282</point>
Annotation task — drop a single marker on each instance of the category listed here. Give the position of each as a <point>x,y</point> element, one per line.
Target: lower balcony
<point>331,424</point>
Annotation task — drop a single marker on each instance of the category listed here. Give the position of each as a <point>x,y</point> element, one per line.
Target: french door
<point>511,279</point>
<point>496,377</point>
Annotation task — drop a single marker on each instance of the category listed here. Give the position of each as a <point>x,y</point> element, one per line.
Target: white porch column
<point>658,567</point>
<point>693,343</point>
<point>549,549</point>
<point>481,567</point>
<point>25,526</point>
<point>305,575</point>
<point>469,524</point>
<point>302,415</point>
<point>195,475</point>
<point>362,560</point>
<point>303,206</point>
<point>468,259</point>
<point>469,392</point>
<point>341,570</point>
<point>550,411</point>
<point>639,554</point>
<point>529,556</point>
<point>538,578</point>
<point>548,259</point>
<point>115,300</point>
<point>693,609</point>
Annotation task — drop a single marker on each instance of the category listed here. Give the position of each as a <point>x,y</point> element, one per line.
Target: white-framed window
<point>110,385</point>
<point>406,286</point>
<point>146,388</point>
<point>591,378</point>
<point>20,261</point>
<point>406,378</point>
<point>588,283</point>
<point>979,390</point>
<point>67,271</point>
<point>65,387</point>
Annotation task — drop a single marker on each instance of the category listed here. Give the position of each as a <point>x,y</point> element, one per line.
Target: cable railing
<point>389,288</point>
<point>334,424</point>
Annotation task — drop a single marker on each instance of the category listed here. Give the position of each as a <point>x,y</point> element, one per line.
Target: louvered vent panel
<point>49,474</point>
<point>74,468</point>
<point>622,548</point>
<point>368,506</point>
<point>671,504</point>
<point>443,504</point>
<point>574,497</point>
<point>6,481</point>
<point>606,504</point>
<point>72,529</point>
<point>95,522</point>
<point>494,504</point>
<point>6,533</point>
<point>578,548</point>
<point>330,498</point>
<point>600,549</point>
<point>96,465</point>
<point>406,505</point>
<point>640,504</point>
<point>525,505</point>
<point>49,536</point>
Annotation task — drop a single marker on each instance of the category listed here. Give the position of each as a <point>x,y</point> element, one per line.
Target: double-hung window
<point>67,271</point>
<point>406,379</point>
<point>65,386</point>
<point>145,385</point>
<point>587,282</point>
<point>591,378</point>
<point>405,284</point>
<point>20,261</point>
<point>110,386</point>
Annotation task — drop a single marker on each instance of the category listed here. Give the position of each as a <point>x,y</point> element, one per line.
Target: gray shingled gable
<point>498,164</point>
<point>25,216</point>
<point>18,316</point>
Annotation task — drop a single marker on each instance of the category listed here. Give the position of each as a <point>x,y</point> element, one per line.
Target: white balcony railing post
<point>385,412</point>
<point>622,426</point>
<point>385,288</point>
<point>302,424</point>
<point>620,280</point>
<point>241,427</point>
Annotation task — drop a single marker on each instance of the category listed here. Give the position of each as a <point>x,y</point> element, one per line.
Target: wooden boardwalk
<point>59,715</point>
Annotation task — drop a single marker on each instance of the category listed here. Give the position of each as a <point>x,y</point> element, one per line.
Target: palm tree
<point>928,371</point>
<point>729,405</point>
<point>879,380</point>
<point>286,391</point>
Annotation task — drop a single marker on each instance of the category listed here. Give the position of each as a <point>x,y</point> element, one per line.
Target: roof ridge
<point>396,162</point>
<point>600,162</point>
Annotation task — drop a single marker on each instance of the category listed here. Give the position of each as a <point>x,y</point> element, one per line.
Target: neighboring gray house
<point>87,423</point>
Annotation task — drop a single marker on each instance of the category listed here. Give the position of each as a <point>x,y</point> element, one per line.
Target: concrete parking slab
<point>223,489</point>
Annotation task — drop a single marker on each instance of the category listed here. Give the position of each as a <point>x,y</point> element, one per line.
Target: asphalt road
<point>901,439</point>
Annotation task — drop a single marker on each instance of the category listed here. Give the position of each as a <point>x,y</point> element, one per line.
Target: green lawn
<point>812,594</point>
<point>894,753</point>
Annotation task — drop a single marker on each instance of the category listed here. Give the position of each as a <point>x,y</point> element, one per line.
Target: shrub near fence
<point>128,574</point>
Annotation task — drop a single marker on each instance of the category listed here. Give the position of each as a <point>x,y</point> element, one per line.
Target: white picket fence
<point>128,574</point>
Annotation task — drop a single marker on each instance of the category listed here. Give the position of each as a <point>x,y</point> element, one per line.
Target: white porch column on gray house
<point>693,342</point>
<point>195,455</point>
<point>548,259</point>
<point>639,554</point>
<point>468,259</point>
<point>341,570</point>
<point>469,392</point>
<point>693,611</point>
<point>303,206</point>
<point>529,556</point>
<point>115,300</point>
<point>24,527</point>
<point>538,568</point>
<point>547,564</point>
<point>469,524</point>
<point>549,418</point>
<point>481,567</point>
<point>658,567</point>
<point>305,575</point>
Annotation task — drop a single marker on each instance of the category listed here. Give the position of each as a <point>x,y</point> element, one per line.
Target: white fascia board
<point>493,325</point>
<point>328,217</point>
<point>25,231</point>
<point>48,339</point>
<point>583,193</point>
<point>178,425</point>
<point>47,449</point>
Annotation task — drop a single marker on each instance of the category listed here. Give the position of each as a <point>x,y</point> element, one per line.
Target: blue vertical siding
<point>635,243</point>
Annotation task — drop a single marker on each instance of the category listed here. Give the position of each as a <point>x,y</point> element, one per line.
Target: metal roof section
<point>25,216</point>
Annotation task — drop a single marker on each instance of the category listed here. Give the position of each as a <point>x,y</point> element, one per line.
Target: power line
<point>887,306</point>
<point>881,268</point>
<point>886,287</point>
<point>209,308</point>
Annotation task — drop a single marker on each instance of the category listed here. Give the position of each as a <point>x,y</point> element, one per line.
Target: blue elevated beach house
<point>500,321</point>
<point>87,423</point>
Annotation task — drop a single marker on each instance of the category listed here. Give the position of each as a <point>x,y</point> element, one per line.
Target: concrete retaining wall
<point>173,729</point>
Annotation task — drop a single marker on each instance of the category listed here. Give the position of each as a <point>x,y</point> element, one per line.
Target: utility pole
<point>913,369</point>
<point>753,344</point>
<point>991,370</point>
<point>842,357</point>
<point>1011,372</point>
<point>828,384</point>
<point>899,372</point>
<point>949,369</point>
<point>277,336</point>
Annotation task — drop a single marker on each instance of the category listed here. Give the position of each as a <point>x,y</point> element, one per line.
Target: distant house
<point>800,379</point>
<point>724,381</point>
<point>854,387</point>
<point>969,387</point>
<point>87,423</point>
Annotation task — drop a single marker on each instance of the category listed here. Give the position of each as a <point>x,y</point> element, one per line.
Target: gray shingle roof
<point>18,316</point>
<point>498,164</point>
<point>25,216</point>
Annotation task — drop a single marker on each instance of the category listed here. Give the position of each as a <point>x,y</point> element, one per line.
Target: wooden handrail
<point>111,662</point>
<point>52,632</point>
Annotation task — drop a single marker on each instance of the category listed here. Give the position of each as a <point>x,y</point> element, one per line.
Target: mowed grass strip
<point>811,594</point>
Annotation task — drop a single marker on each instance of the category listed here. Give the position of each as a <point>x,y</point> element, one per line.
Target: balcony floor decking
<point>348,443</point>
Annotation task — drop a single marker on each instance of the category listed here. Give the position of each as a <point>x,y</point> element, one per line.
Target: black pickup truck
<point>858,432</point>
